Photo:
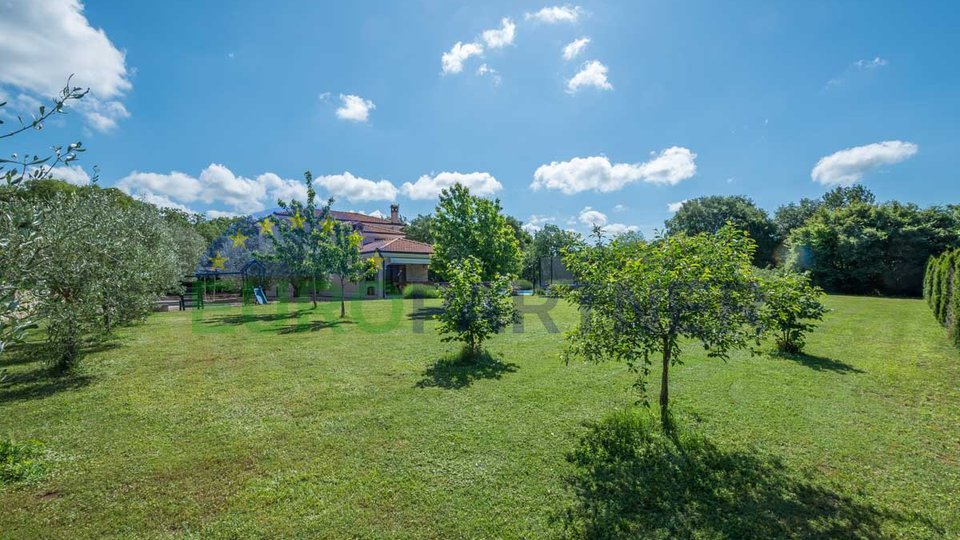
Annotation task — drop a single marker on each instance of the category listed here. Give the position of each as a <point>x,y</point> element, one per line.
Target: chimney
<point>394,213</point>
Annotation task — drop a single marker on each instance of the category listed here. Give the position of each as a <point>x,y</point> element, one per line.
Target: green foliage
<point>710,214</point>
<point>105,266</point>
<point>928,280</point>
<point>419,290</point>
<point>465,227</point>
<point>550,241</point>
<point>212,229</point>
<point>345,260</point>
<point>420,229</point>
<point>942,281</point>
<point>302,241</point>
<point>21,461</point>
<point>523,284</point>
<point>472,310</point>
<point>791,304</point>
<point>638,299</point>
<point>852,245</point>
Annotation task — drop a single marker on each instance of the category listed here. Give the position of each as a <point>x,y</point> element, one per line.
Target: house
<point>402,261</point>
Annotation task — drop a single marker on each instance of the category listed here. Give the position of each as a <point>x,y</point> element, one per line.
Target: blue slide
<point>258,294</point>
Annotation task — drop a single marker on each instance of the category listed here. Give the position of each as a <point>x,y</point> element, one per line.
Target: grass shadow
<point>44,379</point>
<point>274,321</point>
<point>633,481</point>
<point>312,326</point>
<point>425,314</point>
<point>819,363</point>
<point>464,369</point>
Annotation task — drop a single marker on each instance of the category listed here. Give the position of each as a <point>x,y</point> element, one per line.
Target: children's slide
<point>260,297</point>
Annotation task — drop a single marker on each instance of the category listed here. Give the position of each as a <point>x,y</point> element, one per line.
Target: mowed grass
<point>285,422</point>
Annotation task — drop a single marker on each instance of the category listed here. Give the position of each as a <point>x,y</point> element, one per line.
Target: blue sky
<point>676,100</point>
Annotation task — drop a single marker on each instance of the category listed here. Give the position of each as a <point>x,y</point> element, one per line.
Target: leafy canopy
<point>641,298</point>
<point>465,227</point>
<point>472,310</point>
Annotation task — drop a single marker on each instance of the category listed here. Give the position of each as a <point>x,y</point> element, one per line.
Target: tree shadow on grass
<point>425,314</point>
<point>464,369</point>
<point>45,379</point>
<point>820,363</point>
<point>633,481</point>
<point>299,316</point>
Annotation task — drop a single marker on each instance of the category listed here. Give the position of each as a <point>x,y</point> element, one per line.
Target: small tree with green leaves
<point>347,263</point>
<point>641,298</point>
<point>791,304</point>
<point>301,244</point>
<point>473,310</point>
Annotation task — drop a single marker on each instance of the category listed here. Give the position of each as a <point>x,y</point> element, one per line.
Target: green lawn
<point>212,428</point>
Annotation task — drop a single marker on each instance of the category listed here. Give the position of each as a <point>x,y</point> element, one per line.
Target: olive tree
<point>638,299</point>
<point>474,310</point>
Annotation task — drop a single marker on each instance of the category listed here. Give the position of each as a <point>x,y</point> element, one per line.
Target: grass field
<point>269,425</point>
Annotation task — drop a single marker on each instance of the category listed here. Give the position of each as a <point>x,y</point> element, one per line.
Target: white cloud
<point>851,71</point>
<point>573,49</point>
<point>871,64</point>
<point>675,207</point>
<point>43,43</point>
<point>595,218</point>
<point>215,184</point>
<point>591,217</point>
<point>848,166</point>
<point>500,37</point>
<point>353,188</point>
<point>557,14</point>
<point>619,208</point>
<point>354,108</point>
<point>596,173</point>
<point>429,187</point>
<point>72,174</point>
<point>487,70</point>
<point>592,73</point>
<point>452,62</point>
<point>535,222</point>
<point>620,228</point>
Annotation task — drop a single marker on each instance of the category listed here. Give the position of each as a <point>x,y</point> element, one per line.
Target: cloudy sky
<point>608,113</point>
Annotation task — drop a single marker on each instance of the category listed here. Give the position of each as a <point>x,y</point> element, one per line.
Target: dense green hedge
<point>941,289</point>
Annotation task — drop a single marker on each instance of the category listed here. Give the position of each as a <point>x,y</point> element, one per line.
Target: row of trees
<point>80,261</point>
<point>85,260</point>
<point>846,240</point>
<point>941,290</point>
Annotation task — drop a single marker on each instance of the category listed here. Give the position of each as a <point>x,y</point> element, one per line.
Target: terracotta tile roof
<point>398,245</point>
<point>393,229</point>
<point>359,218</point>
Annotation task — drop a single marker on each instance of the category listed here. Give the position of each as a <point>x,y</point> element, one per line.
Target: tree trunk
<point>343,307</point>
<point>665,383</point>
<point>314,291</point>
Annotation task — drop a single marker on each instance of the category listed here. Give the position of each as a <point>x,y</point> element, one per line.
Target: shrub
<point>473,311</point>
<point>20,461</point>
<point>944,277</point>
<point>523,284</point>
<point>419,290</point>
<point>928,279</point>
<point>790,305</point>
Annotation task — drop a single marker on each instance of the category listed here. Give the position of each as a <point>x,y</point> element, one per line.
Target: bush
<point>790,304</point>
<point>473,311</point>
<point>523,284</point>
<point>419,290</point>
<point>20,461</point>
